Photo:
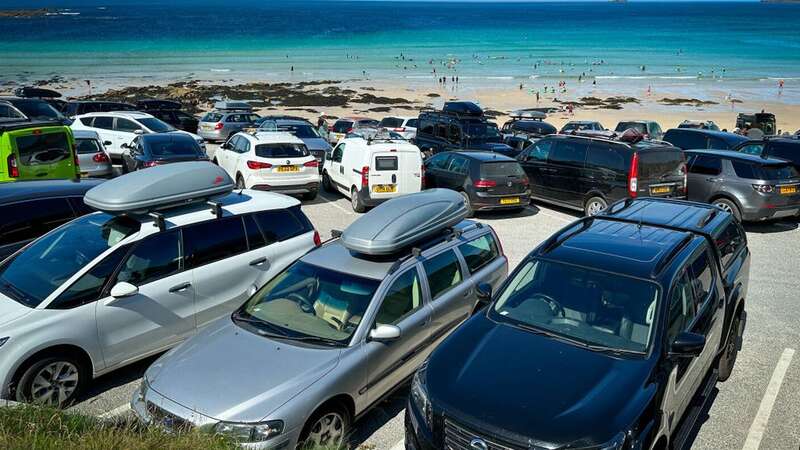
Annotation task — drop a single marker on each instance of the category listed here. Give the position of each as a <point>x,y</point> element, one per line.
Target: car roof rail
<point>446,236</point>
<point>553,241</point>
<point>664,261</point>
<point>712,213</point>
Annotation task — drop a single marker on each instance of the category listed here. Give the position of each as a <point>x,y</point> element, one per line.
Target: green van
<point>35,150</point>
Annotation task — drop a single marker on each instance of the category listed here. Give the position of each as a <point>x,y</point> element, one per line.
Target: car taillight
<point>365,176</point>
<point>100,157</point>
<point>313,163</point>
<point>422,177</point>
<point>150,163</point>
<point>13,170</point>
<point>526,181</point>
<point>255,165</point>
<point>485,183</point>
<point>400,130</point>
<point>317,239</point>
<point>219,126</point>
<point>349,130</point>
<point>764,188</point>
<point>633,176</point>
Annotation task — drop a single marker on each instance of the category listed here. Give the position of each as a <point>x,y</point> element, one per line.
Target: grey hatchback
<point>334,333</point>
<point>752,188</point>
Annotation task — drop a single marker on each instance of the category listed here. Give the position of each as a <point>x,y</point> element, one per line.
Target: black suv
<point>783,147</point>
<point>609,335</point>
<point>590,173</point>
<point>459,125</point>
<point>694,138</point>
<point>80,107</point>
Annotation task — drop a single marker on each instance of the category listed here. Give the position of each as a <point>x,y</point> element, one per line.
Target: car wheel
<point>327,428</point>
<point>326,182</point>
<point>310,195</point>
<point>470,211</point>
<point>728,357</point>
<point>216,163</point>
<point>52,381</point>
<point>355,201</point>
<point>595,206</point>
<point>239,182</point>
<point>728,206</point>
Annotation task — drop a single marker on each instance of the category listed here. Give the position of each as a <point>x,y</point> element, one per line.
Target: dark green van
<point>34,150</point>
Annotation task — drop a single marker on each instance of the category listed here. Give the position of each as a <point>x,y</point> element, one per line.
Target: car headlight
<point>250,432</point>
<point>419,395</point>
<point>3,340</point>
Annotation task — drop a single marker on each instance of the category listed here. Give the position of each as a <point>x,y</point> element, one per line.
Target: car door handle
<point>714,180</point>
<point>259,261</point>
<point>468,293</point>
<point>180,287</point>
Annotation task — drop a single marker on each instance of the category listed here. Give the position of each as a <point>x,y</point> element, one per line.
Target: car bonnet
<point>10,311</point>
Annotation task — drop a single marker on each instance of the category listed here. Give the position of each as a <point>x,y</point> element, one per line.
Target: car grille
<point>166,419</point>
<point>457,437</point>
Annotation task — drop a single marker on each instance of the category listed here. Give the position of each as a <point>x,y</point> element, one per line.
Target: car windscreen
<point>342,126</point>
<point>581,305</point>
<point>47,148</point>
<point>37,109</point>
<point>87,146</point>
<point>38,270</point>
<point>501,169</point>
<point>156,125</point>
<point>301,131</point>
<point>482,131</point>
<point>177,147</point>
<point>658,164</point>
<point>623,126</point>
<point>281,150</point>
<point>211,117</point>
<point>307,301</point>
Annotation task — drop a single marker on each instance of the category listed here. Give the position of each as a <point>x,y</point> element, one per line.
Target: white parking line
<point>118,411</point>
<point>756,432</point>
<point>400,445</point>
<point>333,202</point>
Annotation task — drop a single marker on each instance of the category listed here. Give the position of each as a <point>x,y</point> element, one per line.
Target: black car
<point>80,107</point>
<point>155,149</point>
<point>588,174</point>
<point>169,111</point>
<point>783,147</point>
<point>32,208</point>
<point>694,138</point>
<point>458,126</point>
<point>35,109</point>
<point>610,335</point>
<point>487,180</point>
<point>518,143</point>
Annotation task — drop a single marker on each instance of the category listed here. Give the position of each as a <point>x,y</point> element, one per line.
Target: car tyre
<point>594,206</point>
<point>327,184</point>
<point>329,427</point>
<point>731,351</point>
<point>355,201</point>
<point>310,195</point>
<point>239,182</point>
<point>728,206</point>
<point>470,211</point>
<point>52,381</point>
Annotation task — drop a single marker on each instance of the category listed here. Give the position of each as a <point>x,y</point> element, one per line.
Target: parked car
<point>372,169</point>
<point>695,138</point>
<point>53,98</point>
<point>36,150</point>
<point>270,161</point>
<point>93,161</point>
<point>305,131</point>
<point>345,125</point>
<point>518,143</point>
<point>149,150</point>
<point>581,125</point>
<point>752,188</point>
<point>36,109</point>
<point>331,335</point>
<point>783,147</point>
<point>486,180</point>
<point>120,128</point>
<point>170,113</point>
<point>458,126</point>
<point>610,335</point>
<point>32,208</point>
<point>699,125</point>
<point>763,122</point>
<point>588,174</point>
<point>648,128</point>
<point>405,126</point>
<point>80,107</point>
<point>227,119</point>
<point>113,287</point>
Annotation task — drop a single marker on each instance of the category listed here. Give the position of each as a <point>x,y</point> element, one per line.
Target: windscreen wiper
<point>316,340</point>
<point>259,325</point>
<point>612,350</point>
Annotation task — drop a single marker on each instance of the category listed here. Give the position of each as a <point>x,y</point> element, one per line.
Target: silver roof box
<point>160,187</point>
<point>233,106</point>
<point>403,221</point>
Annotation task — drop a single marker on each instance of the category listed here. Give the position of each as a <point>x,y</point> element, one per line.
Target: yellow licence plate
<point>788,190</point>
<point>384,188</point>
<point>660,190</point>
<point>288,169</point>
<point>509,201</point>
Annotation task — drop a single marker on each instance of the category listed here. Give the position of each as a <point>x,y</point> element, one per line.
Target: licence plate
<point>288,169</point>
<point>660,190</point>
<point>509,201</point>
<point>205,127</point>
<point>84,174</point>
<point>788,190</point>
<point>384,188</point>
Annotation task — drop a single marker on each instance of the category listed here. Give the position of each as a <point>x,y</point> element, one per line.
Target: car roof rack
<point>160,188</point>
<point>527,114</point>
<point>402,222</point>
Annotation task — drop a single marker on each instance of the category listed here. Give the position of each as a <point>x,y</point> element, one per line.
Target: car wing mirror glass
<point>124,289</point>
<point>687,345</point>
<point>384,333</point>
<point>138,132</point>
<point>484,293</point>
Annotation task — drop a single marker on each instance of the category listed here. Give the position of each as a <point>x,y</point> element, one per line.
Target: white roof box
<point>160,187</point>
<point>233,106</point>
<point>403,221</point>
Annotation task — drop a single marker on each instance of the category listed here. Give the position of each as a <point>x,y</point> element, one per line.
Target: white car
<point>111,288</point>
<point>120,128</point>
<point>404,126</point>
<point>370,169</point>
<point>270,161</point>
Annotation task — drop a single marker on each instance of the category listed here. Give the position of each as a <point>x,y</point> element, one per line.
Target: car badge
<point>478,444</point>
<point>509,184</point>
<point>288,162</point>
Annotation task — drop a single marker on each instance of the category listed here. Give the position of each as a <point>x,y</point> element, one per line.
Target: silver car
<point>219,125</point>
<point>93,159</point>
<point>326,339</point>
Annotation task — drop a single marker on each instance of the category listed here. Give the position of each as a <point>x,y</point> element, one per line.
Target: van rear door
<point>44,153</point>
<point>394,172</point>
<point>661,172</point>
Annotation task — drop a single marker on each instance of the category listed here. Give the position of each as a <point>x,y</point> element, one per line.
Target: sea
<point>746,48</point>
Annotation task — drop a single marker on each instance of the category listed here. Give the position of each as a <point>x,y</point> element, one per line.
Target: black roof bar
<point>664,262</point>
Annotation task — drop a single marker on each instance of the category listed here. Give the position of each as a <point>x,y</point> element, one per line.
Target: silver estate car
<point>219,125</point>
<point>328,337</point>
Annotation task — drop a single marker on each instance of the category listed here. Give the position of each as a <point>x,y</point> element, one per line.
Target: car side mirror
<point>124,289</point>
<point>106,143</point>
<point>384,333</point>
<point>138,132</point>
<point>687,345</point>
<point>484,292</point>
<point>224,146</point>
<point>126,146</point>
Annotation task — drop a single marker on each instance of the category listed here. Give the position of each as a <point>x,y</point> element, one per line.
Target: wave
<point>220,70</point>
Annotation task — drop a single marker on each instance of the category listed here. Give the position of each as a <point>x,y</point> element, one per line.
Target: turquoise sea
<point>747,47</point>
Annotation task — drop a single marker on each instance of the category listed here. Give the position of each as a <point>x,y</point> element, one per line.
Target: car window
<point>89,287</point>
<point>391,122</point>
<point>717,143</point>
<point>412,123</point>
<point>126,125</point>
<point>789,152</point>
<point>342,126</point>
<point>444,272</point>
<point>437,161</point>
<point>337,153</point>
<point>441,130</point>
<point>569,153</point>
<point>103,122</point>
<point>211,117</point>
<point>402,298</point>
<point>255,239</point>
<point>279,225</point>
<point>706,165</point>
<point>212,241</point>
<point>459,165</point>
<point>501,169</point>
<point>540,151</point>
<point>233,118</point>
<point>285,150</point>
<point>744,169</point>
<point>32,218</point>
<point>454,134</point>
<point>602,156</point>
<point>681,308</point>
<point>426,127</point>
<point>153,258</point>
<point>156,125</point>
<point>730,242</point>
<point>40,149</point>
<point>87,146</point>
<point>479,252</point>
<point>702,278</point>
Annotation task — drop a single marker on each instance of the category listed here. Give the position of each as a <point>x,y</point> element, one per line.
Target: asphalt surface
<point>758,407</point>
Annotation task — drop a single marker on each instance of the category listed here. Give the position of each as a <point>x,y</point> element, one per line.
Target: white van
<point>373,169</point>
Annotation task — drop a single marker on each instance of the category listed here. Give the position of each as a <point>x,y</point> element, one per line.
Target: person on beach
<point>537,97</point>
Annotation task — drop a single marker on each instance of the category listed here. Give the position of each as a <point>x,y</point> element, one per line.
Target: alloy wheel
<point>595,208</point>
<point>328,431</point>
<point>724,206</point>
<point>54,383</point>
